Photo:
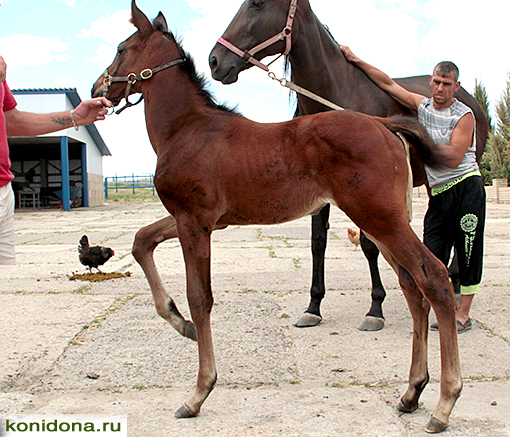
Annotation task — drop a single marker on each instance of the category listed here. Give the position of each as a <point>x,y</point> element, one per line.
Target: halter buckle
<point>146,74</point>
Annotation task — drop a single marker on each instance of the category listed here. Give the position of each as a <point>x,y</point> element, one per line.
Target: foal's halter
<point>132,78</point>
<point>286,34</point>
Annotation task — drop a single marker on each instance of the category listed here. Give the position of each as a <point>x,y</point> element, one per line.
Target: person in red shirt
<point>28,124</point>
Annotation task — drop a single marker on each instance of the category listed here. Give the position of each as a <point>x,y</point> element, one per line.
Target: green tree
<point>480,94</point>
<point>503,113</point>
<point>496,158</point>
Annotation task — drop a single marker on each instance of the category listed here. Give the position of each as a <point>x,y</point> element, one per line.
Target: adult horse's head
<point>132,65</point>
<point>260,28</point>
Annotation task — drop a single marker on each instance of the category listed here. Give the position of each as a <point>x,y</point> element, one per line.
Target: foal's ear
<point>140,20</point>
<point>160,23</point>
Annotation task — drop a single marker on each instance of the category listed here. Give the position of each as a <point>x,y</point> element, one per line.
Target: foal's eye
<point>257,3</point>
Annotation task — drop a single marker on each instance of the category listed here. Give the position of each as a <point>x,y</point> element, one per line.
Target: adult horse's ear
<point>140,20</point>
<point>160,23</point>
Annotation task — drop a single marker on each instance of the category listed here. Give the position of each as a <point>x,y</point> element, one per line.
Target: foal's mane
<point>196,78</point>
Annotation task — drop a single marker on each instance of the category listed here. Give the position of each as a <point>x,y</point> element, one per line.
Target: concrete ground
<point>74,347</point>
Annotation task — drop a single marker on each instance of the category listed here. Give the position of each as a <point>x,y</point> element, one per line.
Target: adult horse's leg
<point>374,320</point>
<point>453,271</point>
<point>146,241</point>
<point>195,240</point>
<point>320,226</point>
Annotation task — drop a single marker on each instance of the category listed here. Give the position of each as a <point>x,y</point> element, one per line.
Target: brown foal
<point>216,168</point>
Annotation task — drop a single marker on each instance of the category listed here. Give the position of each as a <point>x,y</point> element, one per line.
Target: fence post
<point>106,188</point>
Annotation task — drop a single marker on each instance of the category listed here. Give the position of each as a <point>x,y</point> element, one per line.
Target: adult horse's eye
<point>257,3</point>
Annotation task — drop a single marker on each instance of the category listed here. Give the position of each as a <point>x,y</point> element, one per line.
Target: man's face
<point>443,89</point>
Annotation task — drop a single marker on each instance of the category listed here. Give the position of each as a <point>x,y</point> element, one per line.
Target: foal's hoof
<point>185,413</point>
<point>434,426</point>
<point>190,331</point>
<point>401,408</point>
<point>307,320</point>
<point>372,324</point>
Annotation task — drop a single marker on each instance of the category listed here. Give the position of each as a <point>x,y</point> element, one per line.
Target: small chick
<point>353,237</point>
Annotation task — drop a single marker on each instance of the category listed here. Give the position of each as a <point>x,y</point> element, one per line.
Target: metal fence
<point>133,182</point>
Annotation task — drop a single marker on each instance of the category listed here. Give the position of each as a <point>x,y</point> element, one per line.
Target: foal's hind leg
<point>418,375</point>
<point>374,320</point>
<point>320,226</point>
<point>431,277</point>
<point>146,241</point>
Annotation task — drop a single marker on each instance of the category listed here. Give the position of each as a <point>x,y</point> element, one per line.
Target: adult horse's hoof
<point>185,413</point>
<point>434,426</point>
<point>372,324</point>
<point>190,331</point>
<point>307,320</point>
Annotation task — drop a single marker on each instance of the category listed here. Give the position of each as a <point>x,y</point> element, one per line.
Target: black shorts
<point>457,217</point>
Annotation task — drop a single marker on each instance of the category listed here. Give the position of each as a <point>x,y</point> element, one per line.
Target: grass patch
<point>126,196</point>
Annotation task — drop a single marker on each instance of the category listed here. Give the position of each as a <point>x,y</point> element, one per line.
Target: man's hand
<point>89,111</point>
<point>351,57</point>
<point>3,70</point>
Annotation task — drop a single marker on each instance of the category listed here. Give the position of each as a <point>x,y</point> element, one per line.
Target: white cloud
<point>113,28</point>
<point>104,55</point>
<point>70,3</point>
<point>32,51</point>
<point>473,37</point>
<point>62,81</point>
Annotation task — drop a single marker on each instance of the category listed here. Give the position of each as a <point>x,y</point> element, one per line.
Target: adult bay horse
<point>216,168</point>
<point>318,65</point>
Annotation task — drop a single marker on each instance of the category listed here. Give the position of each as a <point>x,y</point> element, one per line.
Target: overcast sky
<point>69,43</point>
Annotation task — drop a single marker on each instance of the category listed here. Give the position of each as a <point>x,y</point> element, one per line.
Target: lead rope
<point>296,88</point>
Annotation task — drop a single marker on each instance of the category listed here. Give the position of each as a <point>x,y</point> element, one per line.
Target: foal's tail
<point>416,134</point>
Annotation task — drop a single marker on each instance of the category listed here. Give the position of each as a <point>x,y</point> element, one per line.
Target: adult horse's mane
<point>287,70</point>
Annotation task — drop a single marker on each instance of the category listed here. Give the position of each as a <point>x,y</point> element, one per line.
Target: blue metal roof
<point>75,100</point>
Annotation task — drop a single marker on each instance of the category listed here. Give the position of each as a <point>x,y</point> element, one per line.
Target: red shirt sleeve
<point>9,100</point>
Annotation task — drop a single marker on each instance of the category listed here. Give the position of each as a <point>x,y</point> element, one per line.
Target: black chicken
<point>94,256</point>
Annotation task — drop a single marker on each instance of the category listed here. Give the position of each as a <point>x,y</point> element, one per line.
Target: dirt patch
<point>98,277</point>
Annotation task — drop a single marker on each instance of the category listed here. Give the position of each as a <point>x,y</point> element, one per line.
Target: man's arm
<point>28,124</point>
<point>461,139</point>
<point>383,81</point>
<point>3,69</point>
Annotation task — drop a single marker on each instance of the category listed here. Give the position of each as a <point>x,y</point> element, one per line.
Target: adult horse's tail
<point>417,136</point>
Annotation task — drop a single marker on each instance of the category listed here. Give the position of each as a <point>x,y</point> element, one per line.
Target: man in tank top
<point>456,211</point>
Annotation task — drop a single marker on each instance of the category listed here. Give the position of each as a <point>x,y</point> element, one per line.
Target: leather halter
<point>286,33</point>
<point>132,78</point>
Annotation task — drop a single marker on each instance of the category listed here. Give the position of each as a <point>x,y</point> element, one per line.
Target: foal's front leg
<point>146,241</point>
<point>195,240</point>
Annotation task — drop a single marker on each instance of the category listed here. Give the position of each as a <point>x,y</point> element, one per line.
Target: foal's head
<point>149,50</point>
<point>151,46</point>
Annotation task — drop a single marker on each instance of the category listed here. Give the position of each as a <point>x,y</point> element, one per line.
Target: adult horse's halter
<point>131,79</point>
<point>286,33</point>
